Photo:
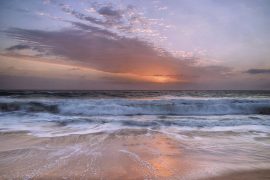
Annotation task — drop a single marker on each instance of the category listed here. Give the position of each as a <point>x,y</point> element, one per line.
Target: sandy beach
<point>126,154</point>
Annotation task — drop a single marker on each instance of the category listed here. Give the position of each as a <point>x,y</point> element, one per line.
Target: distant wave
<point>92,107</point>
<point>29,107</point>
<point>131,94</point>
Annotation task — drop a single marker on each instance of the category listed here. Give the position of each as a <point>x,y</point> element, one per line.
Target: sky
<point>135,44</point>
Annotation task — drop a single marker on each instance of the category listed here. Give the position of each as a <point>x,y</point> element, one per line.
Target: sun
<point>163,79</point>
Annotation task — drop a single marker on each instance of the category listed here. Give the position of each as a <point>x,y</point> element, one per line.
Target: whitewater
<point>52,113</point>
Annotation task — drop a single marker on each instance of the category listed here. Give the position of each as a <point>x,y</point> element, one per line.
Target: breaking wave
<point>181,106</point>
<point>29,107</point>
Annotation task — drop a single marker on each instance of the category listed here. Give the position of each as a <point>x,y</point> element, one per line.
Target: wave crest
<point>143,107</point>
<point>29,107</point>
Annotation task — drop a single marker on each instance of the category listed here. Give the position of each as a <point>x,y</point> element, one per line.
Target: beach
<point>121,155</point>
<point>41,139</point>
<point>125,154</point>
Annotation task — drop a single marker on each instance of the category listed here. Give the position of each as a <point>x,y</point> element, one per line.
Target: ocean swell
<point>92,107</point>
<point>29,107</point>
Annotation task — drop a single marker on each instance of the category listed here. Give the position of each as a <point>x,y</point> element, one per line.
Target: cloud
<point>81,16</point>
<point>18,47</point>
<point>258,71</point>
<point>109,11</point>
<point>109,52</point>
<point>98,48</point>
<point>93,29</point>
<point>127,20</point>
<point>105,15</point>
<point>92,44</point>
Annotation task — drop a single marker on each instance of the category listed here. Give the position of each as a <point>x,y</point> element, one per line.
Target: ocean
<point>220,131</point>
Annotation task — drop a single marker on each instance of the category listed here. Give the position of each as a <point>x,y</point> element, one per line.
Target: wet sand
<point>245,175</point>
<point>125,154</point>
<point>122,155</point>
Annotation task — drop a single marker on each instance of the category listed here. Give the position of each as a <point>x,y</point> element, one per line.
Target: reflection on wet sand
<point>165,157</point>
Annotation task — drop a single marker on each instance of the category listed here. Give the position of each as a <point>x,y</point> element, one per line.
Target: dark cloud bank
<point>258,71</point>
